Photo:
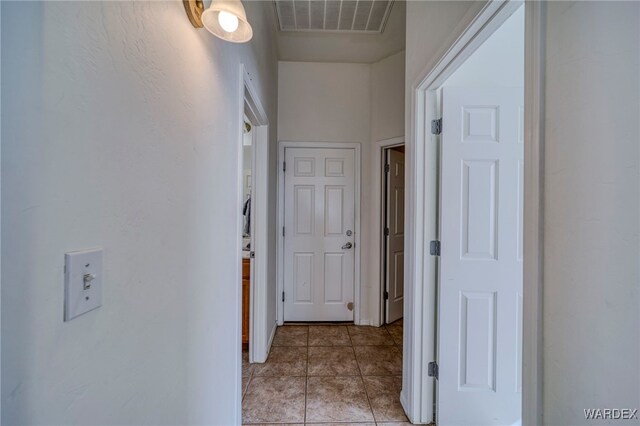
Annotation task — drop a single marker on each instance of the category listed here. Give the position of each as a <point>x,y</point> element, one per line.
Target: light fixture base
<point>194,9</point>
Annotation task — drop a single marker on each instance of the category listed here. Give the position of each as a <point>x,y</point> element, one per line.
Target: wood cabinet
<point>246,288</point>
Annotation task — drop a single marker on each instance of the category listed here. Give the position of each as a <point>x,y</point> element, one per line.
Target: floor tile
<point>397,322</point>
<point>283,361</point>
<point>384,396</point>
<point>328,335</point>
<point>396,333</point>
<point>246,367</point>
<point>291,335</point>
<point>342,424</point>
<point>379,360</point>
<point>245,382</point>
<point>332,361</point>
<point>337,399</point>
<point>274,400</point>
<point>328,374</point>
<point>364,335</point>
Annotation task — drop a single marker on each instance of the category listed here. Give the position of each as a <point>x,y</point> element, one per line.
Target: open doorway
<point>253,166</point>
<point>479,133</point>
<point>392,254</point>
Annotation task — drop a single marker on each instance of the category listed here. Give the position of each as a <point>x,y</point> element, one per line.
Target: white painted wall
<point>120,129</point>
<point>592,213</point>
<point>387,97</point>
<point>498,62</point>
<point>346,102</point>
<point>327,102</point>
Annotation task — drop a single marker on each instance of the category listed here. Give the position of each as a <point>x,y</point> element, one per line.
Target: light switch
<point>82,282</point>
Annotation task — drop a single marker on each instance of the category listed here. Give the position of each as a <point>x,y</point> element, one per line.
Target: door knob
<point>347,246</point>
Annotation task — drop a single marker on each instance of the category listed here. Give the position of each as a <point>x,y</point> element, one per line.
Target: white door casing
<point>394,235</point>
<point>481,273</point>
<point>319,226</point>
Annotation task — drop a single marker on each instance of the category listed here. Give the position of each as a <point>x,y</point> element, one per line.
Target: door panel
<point>480,302</point>
<point>319,269</point>
<point>395,240</point>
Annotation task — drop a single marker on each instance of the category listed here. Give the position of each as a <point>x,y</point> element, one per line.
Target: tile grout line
<point>362,378</point>
<point>306,379</point>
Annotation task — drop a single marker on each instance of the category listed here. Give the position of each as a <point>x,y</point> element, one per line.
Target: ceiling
<point>331,15</point>
<point>332,46</point>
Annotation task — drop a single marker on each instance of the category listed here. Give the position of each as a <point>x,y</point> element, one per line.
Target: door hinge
<point>436,126</point>
<point>284,166</point>
<point>252,254</point>
<point>434,248</point>
<point>386,232</point>
<point>386,295</point>
<point>283,231</point>
<point>387,168</point>
<point>283,296</point>
<point>432,369</point>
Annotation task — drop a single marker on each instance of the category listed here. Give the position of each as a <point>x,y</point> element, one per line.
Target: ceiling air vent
<point>351,16</point>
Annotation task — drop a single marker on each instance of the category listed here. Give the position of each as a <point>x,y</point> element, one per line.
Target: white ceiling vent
<point>368,16</point>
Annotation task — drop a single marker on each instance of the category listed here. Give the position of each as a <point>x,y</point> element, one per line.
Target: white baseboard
<point>403,402</point>
<point>271,336</point>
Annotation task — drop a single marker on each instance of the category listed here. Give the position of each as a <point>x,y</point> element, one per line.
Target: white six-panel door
<point>480,294</point>
<point>319,261</point>
<point>395,237</point>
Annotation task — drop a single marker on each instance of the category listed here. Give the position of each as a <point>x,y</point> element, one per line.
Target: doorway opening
<point>392,253</point>
<point>252,255</point>
<point>470,116</point>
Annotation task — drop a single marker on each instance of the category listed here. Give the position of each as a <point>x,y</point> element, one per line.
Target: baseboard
<point>271,336</point>
<point>405,405</point>
<point>366,322</point>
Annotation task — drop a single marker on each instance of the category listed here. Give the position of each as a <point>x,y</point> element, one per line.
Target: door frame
<point>418,389</point>
<point>377,218</point>
<point>251,106</point>
<point>282,145</point>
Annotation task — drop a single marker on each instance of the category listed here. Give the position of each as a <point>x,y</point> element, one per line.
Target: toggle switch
<point>87,280</point>
<point>82,282</point>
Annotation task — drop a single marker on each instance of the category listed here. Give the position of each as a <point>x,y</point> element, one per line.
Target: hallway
<point>327,373</point>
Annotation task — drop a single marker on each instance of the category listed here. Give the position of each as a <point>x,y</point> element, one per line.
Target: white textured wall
<point>327,102</point>
<point>387,97</point>
<point>592,213</point>
<point>346,102</point>
<point>120,127</point>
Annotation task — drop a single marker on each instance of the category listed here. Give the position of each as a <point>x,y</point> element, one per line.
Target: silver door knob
<point>347,246</point>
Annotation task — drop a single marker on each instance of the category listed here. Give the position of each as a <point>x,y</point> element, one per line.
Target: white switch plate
<point>82,295</point>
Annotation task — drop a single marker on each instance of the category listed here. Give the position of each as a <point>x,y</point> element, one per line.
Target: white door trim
<point>535,23</point>
<point>418,396</point>
<point>282,145</point>
<point>377,219</point>
<point>250,104</point>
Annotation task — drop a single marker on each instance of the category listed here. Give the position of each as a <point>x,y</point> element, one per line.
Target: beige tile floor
<point>326,374</point>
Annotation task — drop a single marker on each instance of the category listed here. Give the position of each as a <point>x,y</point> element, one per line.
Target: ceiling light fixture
<point>225,19</point>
